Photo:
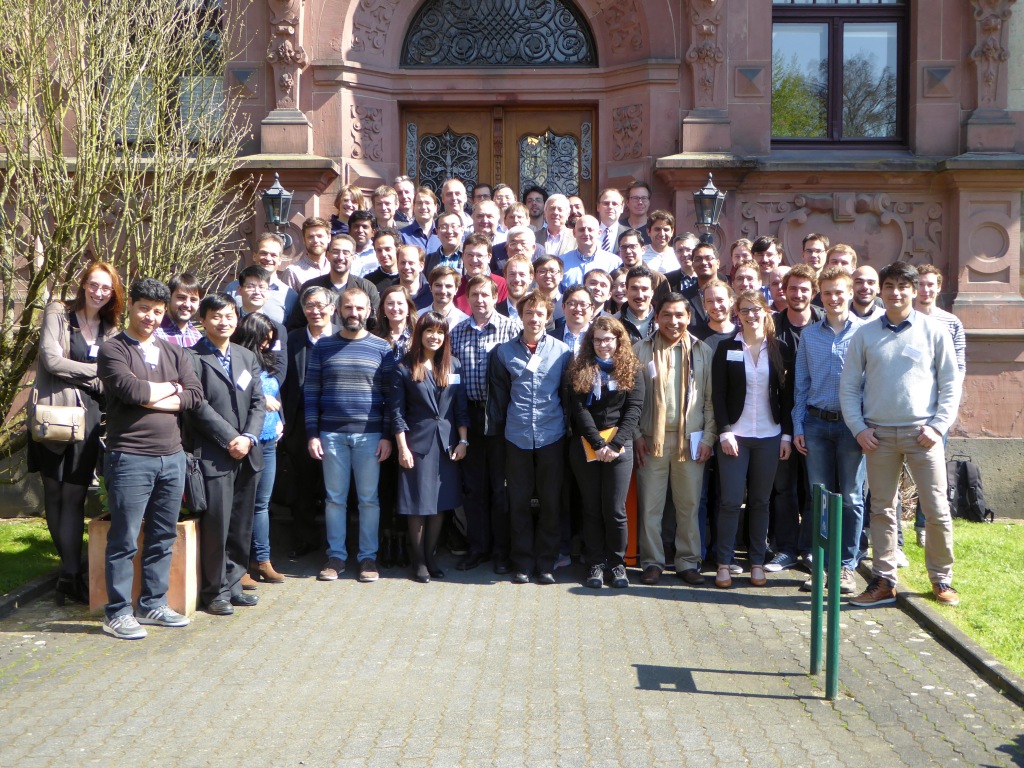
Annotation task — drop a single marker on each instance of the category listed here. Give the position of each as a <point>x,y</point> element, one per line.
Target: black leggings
<point>64,504</point>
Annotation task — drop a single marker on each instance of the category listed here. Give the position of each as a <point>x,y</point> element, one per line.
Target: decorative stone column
<point>706,128</point>
<point>286,130</point>
<point>990,128</point>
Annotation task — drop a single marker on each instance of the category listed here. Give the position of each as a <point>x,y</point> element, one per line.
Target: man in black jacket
<point>340,253</point>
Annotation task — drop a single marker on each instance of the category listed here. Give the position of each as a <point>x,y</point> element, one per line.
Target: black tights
<point>64,504</point>
<point>422,552</point>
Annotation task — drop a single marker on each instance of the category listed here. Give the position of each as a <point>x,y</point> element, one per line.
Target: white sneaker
<point>163,616</point>
<point>901,559</point>
<point>735,568</point>
<point>124,627</point>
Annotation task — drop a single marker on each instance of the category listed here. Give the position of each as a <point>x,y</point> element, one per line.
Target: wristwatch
<point>464,442</point>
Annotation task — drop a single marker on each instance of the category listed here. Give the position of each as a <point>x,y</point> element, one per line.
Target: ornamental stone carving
<point>367,140</point>
<point>285,53</point>
<point>622,20</point>
<point>370,25</point>
<point>990,52</point>
<point>705,54</point>
<point>627,132</point>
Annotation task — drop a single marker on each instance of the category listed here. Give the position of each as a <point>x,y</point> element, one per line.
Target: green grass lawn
<point>25,552</point>
<point>989,575</point>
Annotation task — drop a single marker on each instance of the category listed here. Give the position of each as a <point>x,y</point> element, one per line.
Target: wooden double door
<point>521,147</point>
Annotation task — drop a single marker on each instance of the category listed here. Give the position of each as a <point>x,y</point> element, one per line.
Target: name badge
<point>454,378</point>
<point>243,380</point>
<point>613,385</point>
<point>276,347</point>
<point>534,364</point>
<point>652,370</point>
<point>94,350</point>
<point>734,356</point>
<point>913,354</point>
<point>151,355</point>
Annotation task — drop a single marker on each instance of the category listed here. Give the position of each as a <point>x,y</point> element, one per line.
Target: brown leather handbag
<point>55,423</point>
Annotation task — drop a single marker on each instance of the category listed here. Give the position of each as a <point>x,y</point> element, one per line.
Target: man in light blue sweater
<point>899,393</point>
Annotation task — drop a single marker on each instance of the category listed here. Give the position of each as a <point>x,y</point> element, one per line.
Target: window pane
<point>799,81</point>
<point>869,80</point>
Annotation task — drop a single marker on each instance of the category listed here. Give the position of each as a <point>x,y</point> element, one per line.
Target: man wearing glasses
<point>638,204</point>
<point>450,230</point>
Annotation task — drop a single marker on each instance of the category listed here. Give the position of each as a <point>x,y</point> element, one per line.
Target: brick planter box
<point>183,589</point>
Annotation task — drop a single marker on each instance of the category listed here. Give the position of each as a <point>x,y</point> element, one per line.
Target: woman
<point>753,402</point>
<point>740,251</point>
<point>398,318</point>
<point>606,393</point>
<point>69,342</point>
<point>428,405</point>
<point>258,334</point>
<point>618,298</point>
<point>348,200</point>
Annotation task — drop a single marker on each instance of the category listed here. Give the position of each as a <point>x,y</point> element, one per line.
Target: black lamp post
<point>277,204</point>
<point>708,203</point>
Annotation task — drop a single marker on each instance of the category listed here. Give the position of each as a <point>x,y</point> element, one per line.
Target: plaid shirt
<point>169,332</point>
<point>819,364</point>
<point>472,345</point>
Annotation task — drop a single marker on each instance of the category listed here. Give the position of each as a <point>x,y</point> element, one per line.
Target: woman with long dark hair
<point>258,333</point>
<point>430,415</point>
<point>606,394</point>
<point>752,393</point>
<point>69,342</point>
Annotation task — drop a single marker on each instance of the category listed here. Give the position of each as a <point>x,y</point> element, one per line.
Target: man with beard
<point>534,199</point>
<point>316,236</point>
<point>638,203</point>
<point>348,426</point>
<point>176,326</point>
<point>337,280</point>
<point>576,209</point>
<point>866,305</point>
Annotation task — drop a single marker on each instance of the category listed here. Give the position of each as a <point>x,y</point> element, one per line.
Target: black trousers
<point>486,501</point>
<point>535,547</point>
<point>603,487</point>
<point>306,493</point>
<point>225,532</point>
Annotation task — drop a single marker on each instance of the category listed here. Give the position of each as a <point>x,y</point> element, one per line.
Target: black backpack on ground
<point>964,491</point>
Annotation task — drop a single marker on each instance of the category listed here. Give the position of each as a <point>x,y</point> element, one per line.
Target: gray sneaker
<point>619,578</point>
<point>847,582</point>
<point>124,627</point>
<point>163,616</point>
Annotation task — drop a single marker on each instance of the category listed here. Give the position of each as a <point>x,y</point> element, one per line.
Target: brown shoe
<point>248,582</point>
<point>723,579</point>
<point>651,575</point>
<point>757,577</point>
<point>368,570</point>
<point>268,574</point>
<point>331,570</point>
<point>945,594</point>
<point>692,576</point>
<point>879,592</point>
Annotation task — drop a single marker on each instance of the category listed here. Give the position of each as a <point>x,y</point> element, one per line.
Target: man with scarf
<point>677,433</point>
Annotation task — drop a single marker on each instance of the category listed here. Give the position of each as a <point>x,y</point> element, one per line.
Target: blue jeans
<point>260,550</point>
<point>835,459</point>
<point>141,486</point>
<point>346,454</point>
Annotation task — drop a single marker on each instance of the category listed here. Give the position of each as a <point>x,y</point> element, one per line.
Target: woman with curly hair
<point>606,393</point>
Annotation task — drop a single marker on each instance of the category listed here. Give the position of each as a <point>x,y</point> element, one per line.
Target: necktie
<point>606,239</point>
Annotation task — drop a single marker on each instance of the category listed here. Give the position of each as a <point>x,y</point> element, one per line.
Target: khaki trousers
<point>653,481</point>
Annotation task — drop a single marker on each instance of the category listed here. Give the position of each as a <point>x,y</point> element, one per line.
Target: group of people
<point>509,371</point>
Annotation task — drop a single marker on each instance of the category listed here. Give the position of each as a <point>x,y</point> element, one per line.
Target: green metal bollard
<point>835,541</point>
<point>818,497</point>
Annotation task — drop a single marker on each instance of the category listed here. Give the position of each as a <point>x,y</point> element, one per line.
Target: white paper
<point>94,350</point>
<point>151,355</point>
<point>454,378</point>
<point>734,356</point>
<point>534,365</point>
<point>652,370</point>
<point>913,354</point>
<point>243,380</point>
<point>695,438</point>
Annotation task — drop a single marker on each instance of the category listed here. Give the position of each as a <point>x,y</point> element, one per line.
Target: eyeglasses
<point>449,227</point>
<point>748,311</point>
<point>97,288</point>
<point>250,288</point>
<point>817,251</point>
<point>606,341</point>
<point>549,271</point>
<point>709,259</point>
<point>638,199</point>
<point>577,304</point>
<point>317,307</point>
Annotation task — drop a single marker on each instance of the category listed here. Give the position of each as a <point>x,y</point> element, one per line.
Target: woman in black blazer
<point>606,390</point>
<point>429,408</point>
<point>752,396</point>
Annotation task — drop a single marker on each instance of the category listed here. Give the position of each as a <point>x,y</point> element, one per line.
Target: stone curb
<point>26,593</point>
<point>988,667</point>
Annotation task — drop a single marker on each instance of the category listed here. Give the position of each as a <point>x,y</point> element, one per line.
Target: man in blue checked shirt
<point>833,456</point>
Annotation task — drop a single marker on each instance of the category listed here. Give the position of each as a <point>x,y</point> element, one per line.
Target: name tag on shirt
<point>454,378</point>
<point>534,364</point>
<point>276,347</point>
<point>243,380</point>
<point>94,350</point>
<point>652,369</point>
<point>913,354</point>
<point>613,385</point>
<point>734,356</point>
<point>151,355</point>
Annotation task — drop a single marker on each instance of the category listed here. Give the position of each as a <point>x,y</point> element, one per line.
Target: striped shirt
<point>819,364</point>
<point>956,330</point>
<point>347,385</point>
<point>472,345</point>
<point>169,332</point>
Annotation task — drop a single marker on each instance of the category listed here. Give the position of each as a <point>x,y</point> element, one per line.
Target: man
<point>405,188</point>
<point>609,209</point>
<point>385,248</point>
<point>866,305</point>
<point>843,256</point>
<point>778,303</point>
<point>487,221</point>
<point>555,237</point>
<point>718,299</point>
<point>578,311</point>
<point>503,195</point>
<point>518,279</point>
<point>746,276</point>
<point>525,405</point>
<point>638,203</point>
<point>705,269</point>
<point>410,275</point>
<point>631,252</point>
<point>316,236</point>
<point>899,392</point>
<point>599,283</point>
<point>767,252</point>
<point>534,199</point>
<point>791,508</point>
<point>318,306</point>
<point>486,502</point>
<point>176,325</point>
<point>832,455</point>
<point>444,282</point>
<point>385,205</point>
<point>677,412</point>
<point>337,280</point>
<point>476,260</point>
<point>422,228</point>
<point>146,383</point>
<point>480,192</point>
<point>253,288</point>
<point>224,433</point>
<point>280,298</point>
<point>547,276</point>
<point>361,226</point>
<point>660,256</point>
<point>814,247</point>
<point>637,316</point>
<point>520,241</point>
<point>348,426</point>
<point>587,254</point>
<point>450,231</point>
<point>453,195</point>
<point>576,209</point>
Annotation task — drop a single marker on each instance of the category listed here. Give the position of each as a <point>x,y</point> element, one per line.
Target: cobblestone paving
<point>470,671</point>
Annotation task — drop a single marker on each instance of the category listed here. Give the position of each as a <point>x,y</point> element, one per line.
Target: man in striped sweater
<point>348,426</point>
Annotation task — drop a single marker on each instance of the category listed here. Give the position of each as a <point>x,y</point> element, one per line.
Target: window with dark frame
<point>839,72</point>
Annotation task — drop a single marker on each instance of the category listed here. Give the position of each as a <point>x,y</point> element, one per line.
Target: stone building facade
<point>609,91</point>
